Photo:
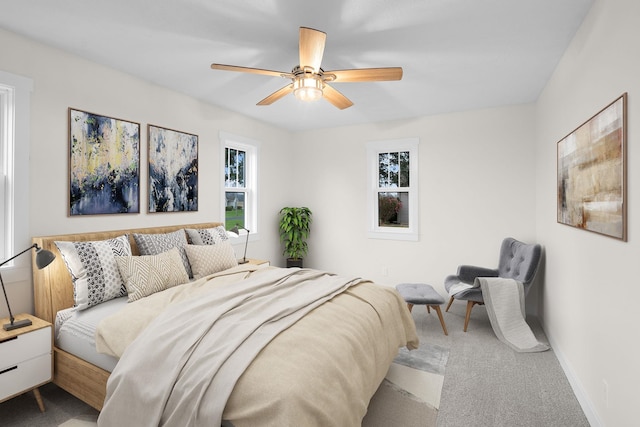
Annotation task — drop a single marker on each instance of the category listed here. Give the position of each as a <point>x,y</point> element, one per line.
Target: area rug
<point>82,421</point>
<point>410,393</point>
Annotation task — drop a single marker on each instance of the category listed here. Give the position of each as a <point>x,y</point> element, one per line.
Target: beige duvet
<point>321,370</point>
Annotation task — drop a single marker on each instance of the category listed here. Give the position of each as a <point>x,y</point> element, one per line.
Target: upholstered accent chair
<point>517,261</point>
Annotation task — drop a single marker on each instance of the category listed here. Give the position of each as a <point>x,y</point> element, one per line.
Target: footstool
<point>422,294</point>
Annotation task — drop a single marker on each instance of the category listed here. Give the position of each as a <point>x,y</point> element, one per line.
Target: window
<point>393,189</point>
<point>14,162</point>
<point>240,193</point>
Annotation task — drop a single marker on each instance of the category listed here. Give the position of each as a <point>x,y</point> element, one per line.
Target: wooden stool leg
<point>410,307</point>
<point>470,305</point>
<point>449,305</point>
<point>38,397</point>
<point>444,327</point>
<point>428,310</point>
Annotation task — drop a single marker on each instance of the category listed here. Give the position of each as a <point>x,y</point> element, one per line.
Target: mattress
<point>75,332</point>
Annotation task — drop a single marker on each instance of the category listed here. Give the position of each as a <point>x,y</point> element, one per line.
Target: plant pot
<point>294,262</point>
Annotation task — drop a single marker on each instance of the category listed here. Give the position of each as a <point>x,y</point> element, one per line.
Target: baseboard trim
<point>576,385</point>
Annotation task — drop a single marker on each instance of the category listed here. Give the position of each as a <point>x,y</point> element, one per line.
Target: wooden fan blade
<point>248,70</point>
<point>311,47</point>
<point>280,93</point>
<point>336,98</point>
<point>367,74</point>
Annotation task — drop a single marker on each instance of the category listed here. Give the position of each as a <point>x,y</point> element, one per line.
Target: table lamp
<point>236,230</point>
<point>43,259</point>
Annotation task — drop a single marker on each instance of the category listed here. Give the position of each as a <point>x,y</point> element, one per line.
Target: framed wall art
<point>592,173</point>
<point>104,164</point>
<point>173,170</point>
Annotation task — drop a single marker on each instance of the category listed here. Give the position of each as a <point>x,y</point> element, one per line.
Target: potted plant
<point>295,224</point>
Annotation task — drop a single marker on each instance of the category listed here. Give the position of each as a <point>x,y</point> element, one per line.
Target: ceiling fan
<point>310,82</point>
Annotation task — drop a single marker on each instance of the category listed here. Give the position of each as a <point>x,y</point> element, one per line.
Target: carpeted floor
<point>60,407</point>
<point>486,383</point>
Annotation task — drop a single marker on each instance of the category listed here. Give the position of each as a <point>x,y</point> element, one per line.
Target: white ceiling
<point>456,54</point>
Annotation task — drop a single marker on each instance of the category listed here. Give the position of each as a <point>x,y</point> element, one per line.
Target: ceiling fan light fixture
<point>309,82</point>
<point>307,88</point>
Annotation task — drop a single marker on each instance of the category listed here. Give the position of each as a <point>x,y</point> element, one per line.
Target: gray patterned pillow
<point>148,274</point>
<point>207,236</point>
<point>93,269</point>
<point>154,244</point>
<point>209,259</point>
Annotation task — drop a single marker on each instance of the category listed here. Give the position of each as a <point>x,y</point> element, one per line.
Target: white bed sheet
<point>75,332</point>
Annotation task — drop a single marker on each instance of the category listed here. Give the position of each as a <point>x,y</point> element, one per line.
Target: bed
<point>321,369</point>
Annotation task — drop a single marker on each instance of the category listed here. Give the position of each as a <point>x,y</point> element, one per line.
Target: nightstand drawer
<point>24,347</point>
<point>25,375</point>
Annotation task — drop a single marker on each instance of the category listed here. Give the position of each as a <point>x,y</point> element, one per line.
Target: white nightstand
<point>26,360</point>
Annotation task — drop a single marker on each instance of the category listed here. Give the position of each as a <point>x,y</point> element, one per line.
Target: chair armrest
<point>468,273</point>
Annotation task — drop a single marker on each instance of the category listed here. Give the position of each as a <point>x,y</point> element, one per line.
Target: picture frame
<point>104,164</point>
<point>173,170</point>
<point>592,176</point>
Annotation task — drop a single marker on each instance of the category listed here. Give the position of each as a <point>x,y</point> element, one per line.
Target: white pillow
<point>209,259</point>
<point>93,269</point>
<point>207,236</point>
<point>147,274</point>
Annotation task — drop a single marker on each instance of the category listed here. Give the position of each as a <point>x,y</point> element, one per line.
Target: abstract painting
<point>173,170</point>
<point>592,173</point>
<point>104,164</point>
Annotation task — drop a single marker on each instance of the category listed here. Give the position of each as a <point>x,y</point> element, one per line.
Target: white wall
<point>588,303</point>
<point>477,186</point>
<point>62,80</point>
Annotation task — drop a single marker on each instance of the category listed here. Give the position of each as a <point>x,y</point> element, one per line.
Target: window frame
<point>14,168</point>
<point>251,148</point>
<point>375,230</point>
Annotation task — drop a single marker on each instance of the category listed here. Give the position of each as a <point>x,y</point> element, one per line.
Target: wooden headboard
<point>52,286</point>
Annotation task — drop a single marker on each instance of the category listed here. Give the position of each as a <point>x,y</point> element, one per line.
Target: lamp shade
<point>44,258</point>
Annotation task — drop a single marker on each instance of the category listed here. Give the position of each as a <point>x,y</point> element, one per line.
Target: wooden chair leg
<point>470,305</point>
<point>428,310</point>
<point>410,307</point>
<point>449,305</point>
<point>444,327</point>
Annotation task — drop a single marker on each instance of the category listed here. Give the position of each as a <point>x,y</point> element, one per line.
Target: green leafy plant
<point>295,225</point>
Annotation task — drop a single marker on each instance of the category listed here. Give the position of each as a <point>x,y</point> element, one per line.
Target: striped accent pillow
<point>147,274</point>
<point>209,259</point>
<point>93,269</point>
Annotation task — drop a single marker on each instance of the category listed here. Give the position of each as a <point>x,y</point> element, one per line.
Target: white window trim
<point>15,145</point>
<point>375,231</point>
<point>252,148</point>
